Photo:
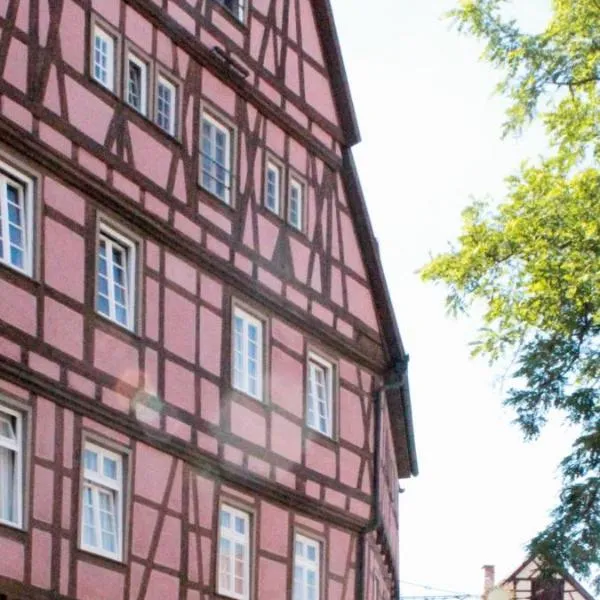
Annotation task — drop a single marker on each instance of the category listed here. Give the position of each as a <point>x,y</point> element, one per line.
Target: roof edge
<point>337,73</point>
<point>396,353</point>
<point>564,573</point>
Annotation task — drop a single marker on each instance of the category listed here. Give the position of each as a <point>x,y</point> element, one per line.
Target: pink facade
<point>194,326</point>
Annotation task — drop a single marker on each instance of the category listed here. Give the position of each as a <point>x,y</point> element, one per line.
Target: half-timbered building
<point>203,390</point>
<point>529,581</point>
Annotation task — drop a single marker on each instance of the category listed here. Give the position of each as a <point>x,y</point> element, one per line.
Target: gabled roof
<point>564,574</point>
<point>398,400</point>
<point>337,71</point>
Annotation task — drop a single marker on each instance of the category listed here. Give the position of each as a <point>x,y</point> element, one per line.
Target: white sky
<point>431,139</point>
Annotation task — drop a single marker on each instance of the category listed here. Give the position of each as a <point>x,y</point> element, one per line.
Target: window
<point>101,516</point>
<point>547,589</point>
<point>137,83</point>
<point>115,292</point>
<point>235,7</point>
<point>166,105</point>
<point>103,58</point>
<point>233,578</point>
<point>215,157</point>
<point>306,568</point>
<point>296,204</point>
<point>273,187</point>
<point>11,467</point>
<point>16,221</point>
<point>247,353</point>
<point>320,392</point>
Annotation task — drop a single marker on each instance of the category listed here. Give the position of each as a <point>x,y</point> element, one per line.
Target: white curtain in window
<point>7,485</point>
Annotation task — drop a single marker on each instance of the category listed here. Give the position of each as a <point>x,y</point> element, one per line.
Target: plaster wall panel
<point>117,358</point>
<point>218,93</point>
<point>16,113</point>
<point>12,564</point>
<point>209,402</point>
<point>51,98</point>
<point>318,92</point>
<point>152,469</point>
<point>88,576</point>
<point>286,438</point>
<point>43,480</point>
<point>45,431</point>
<point>169,547</point>
<point>73,37</point>
<point>63,328</point>
<point>287,382</point>
<point>64,200</point>
<point>179,324</point>
<point>14,71</point>
<point>41,559</point>
<point>138,29</point>
<point>81,104</point>
<point>272,578</point>
<point>180,386</point>
<point>64,259</point>
<point>211,328</point>
<point>18,307</point>
<point>320,459</point>
<point>248,424</point>
<point>151,157</point>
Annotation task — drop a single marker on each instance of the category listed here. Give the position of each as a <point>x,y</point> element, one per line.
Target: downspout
<point>376,519</point>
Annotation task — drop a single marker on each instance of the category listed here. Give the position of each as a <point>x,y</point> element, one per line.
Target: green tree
<point>532,260</point>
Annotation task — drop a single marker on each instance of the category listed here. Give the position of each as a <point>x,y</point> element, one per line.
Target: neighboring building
<point>195,330</point>
<point>528,582</point>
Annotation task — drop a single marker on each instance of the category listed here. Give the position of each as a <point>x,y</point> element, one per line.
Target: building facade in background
<point>202,384</point>
<point>529,582</point>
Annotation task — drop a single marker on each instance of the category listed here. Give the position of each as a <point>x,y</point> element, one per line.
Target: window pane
<point>216,177</point>
<point>165,107</point>
<point>90,460</point>
<point>113,297</point>
<point>225,519</point>
<point>136,86</point>
<point>8,492</point>
<point>103,58</point>
<point>89,528</point>
<point>108,521</point>
<point>240,525</point>
<point>110,468</point>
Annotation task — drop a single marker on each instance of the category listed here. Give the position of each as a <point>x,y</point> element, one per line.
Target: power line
<point>449,593</point>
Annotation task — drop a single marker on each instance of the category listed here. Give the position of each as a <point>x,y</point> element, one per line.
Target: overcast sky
<point>431,127</point>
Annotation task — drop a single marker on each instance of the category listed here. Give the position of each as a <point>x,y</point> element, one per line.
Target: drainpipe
<point>376,519</point>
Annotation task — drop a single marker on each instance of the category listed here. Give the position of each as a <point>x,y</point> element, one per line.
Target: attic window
<point>547,589</point>
<point>235,7</point>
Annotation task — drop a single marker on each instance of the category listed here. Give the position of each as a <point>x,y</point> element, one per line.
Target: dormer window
<point>235,7</point>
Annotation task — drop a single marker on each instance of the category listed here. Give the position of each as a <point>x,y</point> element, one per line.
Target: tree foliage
<point>533,259</point>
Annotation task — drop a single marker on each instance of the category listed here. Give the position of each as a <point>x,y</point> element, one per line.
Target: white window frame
<point>239,14</point>
<point>313,403</point>
<point>308,566</point>
<point>17,447</point>
<point>98,482</point>
<point>296,186</point>
<point>163,80</point>
<point>273,167</point>
<point>232,536</point>
<point>242,383</point>
<point>25,185</point>
<point>210,186</point>
<point>133,57</point>
<point>100,32</point>
<point>113,238</point>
